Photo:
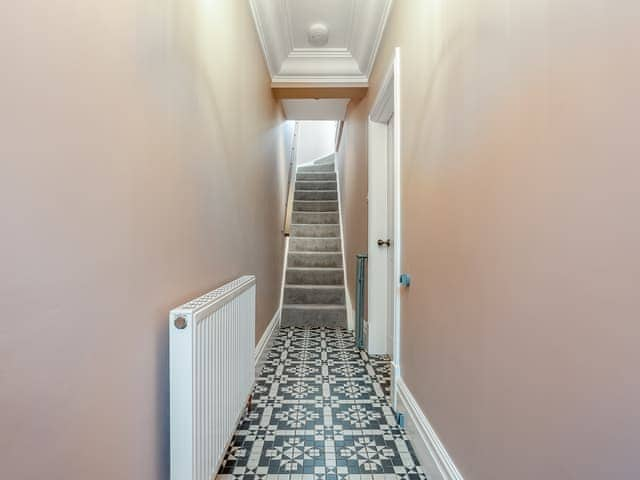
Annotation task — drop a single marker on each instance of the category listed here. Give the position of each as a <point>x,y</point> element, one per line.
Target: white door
<point>384,223</point>
<point>380,278</point>
<point>391,280</point>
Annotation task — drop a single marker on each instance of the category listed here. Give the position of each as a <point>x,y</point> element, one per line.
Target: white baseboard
<point>434,458</point>
<point>351,313</point>
<point>261,347</point>
<point>351,323</point>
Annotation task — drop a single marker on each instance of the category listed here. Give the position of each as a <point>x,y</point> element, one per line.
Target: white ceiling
<point>336,14</point>
<point>315,109</point>
<point>355,30</point>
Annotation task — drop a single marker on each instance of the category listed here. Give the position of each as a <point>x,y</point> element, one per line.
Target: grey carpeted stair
<point>317,168</point>
<point>314,293</point>
<point>315,185</point>
<point>314,244</point>
<point>318,176</point>
<point>324,218</point>
<point>314,315</point>
<point>314,276</point>
<point>316,195</point>
<point>315,259</point>
<point>315,230</point>
<point>315,205</point>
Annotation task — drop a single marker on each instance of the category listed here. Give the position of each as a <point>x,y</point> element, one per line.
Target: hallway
<point>202,201</point>
<point>320,411</point>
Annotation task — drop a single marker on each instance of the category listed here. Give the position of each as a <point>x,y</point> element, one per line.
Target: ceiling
<point>355,28</point>
<point>315,109</point>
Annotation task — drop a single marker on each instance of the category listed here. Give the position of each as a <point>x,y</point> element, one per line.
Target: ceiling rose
<point>318,35</point>
<point>323,44</point>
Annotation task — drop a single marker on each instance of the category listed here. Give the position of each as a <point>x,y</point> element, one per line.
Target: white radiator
<point>211,347</point>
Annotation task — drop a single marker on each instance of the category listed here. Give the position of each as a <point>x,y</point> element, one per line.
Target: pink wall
<point>520,180</point>
<point>352,170</point>
<point>143,163</point>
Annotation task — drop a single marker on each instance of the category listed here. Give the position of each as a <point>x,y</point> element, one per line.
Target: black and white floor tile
<point>320,412</point>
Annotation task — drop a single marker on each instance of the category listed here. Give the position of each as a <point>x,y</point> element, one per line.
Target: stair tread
<point>315,212</point>
<point>316,253</point>
<point>312,306</point>
<point>315,224</point>
<point>308,286</point>
<point>314,268</point>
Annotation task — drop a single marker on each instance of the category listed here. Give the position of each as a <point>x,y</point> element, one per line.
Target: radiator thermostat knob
<point>405,279</point>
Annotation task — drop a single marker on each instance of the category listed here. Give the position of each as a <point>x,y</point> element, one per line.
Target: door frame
<point>386,106</point>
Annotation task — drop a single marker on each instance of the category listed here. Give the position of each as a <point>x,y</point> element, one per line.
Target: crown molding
<point>271,24</point>
<point>378,37</point>
<point>320,53</point>
<point>350,64</point>
<point>368,32</point>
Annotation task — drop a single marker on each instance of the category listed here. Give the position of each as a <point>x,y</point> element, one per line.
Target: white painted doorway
<point>391,240</point>
<point>384,240</point>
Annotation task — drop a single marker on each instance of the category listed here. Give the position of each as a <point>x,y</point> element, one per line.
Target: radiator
<point>211,348</point>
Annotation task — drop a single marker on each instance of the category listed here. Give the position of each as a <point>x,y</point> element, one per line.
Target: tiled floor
<point>320,411</point>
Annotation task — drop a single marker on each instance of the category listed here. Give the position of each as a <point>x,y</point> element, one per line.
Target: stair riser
<point>319,296</point>
<point>330,176</point>
<point>316,195</point>
<point>315,206</point>
<point>315,277</point>
<point>314,318</point>
<point>331,260</point>
<point>318,230</point>
<point>314,245</point>
<point>316,185</point>
<point>329,167</point>
<point>315,217</point>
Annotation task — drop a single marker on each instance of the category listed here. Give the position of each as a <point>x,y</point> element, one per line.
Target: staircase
<point>314,292</point>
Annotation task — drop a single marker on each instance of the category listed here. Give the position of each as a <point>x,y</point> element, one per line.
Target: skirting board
<point>351,313</point>
<point>261,347</point>
<point>435,460</point>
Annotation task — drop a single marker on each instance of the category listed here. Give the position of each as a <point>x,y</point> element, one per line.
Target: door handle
<point>386,243</point>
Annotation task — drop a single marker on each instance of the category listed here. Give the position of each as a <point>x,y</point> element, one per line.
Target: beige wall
<point>355,93</point>
<point>352,171</point>
<point>520,180</point>
<point>141,164</point>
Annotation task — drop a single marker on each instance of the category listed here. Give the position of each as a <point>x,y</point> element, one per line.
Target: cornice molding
<point>334,66</point>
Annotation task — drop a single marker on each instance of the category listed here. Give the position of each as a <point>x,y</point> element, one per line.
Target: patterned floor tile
<point>320,412</point>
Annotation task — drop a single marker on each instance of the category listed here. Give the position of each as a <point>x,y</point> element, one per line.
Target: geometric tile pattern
<point>320,411</point>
